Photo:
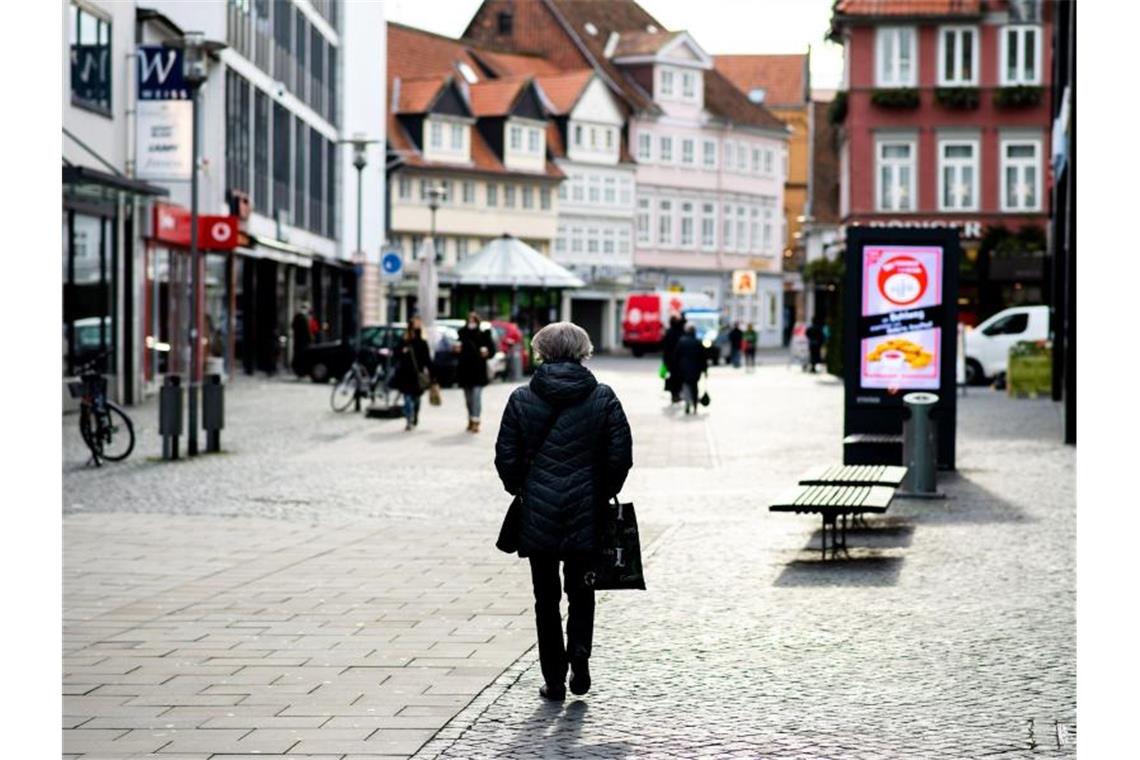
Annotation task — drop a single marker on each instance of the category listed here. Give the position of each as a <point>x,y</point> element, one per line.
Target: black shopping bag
<point>617,564</point>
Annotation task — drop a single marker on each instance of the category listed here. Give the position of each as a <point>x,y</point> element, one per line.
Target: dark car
<point>331,359</point>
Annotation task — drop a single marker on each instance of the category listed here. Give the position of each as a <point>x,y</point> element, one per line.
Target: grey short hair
<point>562,341</point>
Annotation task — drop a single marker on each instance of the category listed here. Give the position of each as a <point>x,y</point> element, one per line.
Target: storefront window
<point>217,316</point>
<point>87,324</point>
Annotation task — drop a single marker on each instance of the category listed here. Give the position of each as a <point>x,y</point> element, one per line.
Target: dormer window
<point>688,88</point>
<point>506,21</point>
<point>446,139</point>
<point>666,83</point>
<point>436,130</point>
<point>525,145</point>
<point>516,138</point>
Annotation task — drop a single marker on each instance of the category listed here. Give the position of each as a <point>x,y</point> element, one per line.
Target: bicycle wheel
<point>345,390</point>
<point>87,431</point>
<point>118,434</point>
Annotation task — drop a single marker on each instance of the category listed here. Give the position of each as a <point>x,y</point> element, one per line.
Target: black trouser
<point>552,653</point>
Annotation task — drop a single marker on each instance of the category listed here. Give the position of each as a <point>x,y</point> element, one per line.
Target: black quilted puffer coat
<point>582,463</point>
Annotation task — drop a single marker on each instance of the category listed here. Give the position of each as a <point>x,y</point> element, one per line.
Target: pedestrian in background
<point>815,338</point>
<point>564,449</point>
<point>735,342</point>
<point>668,348</point>
<point>302,337</point>
<point>414,372</point>
<point>750,348</point>
<point>692,361</point>
<point>475,347</point>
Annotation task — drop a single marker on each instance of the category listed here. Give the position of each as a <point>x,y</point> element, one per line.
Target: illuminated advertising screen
<point>900,333</point>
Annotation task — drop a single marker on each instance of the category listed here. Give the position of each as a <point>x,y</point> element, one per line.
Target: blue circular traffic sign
<point>392,262</point>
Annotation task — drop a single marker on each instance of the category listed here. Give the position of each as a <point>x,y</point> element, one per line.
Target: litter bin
<point>170,415</point>
<point>920,452</point>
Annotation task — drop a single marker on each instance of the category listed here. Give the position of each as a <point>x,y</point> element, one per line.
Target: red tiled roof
<point>496,96</point>
<point>416,54</point>
<point>783,77</point>
<point>483,158</point>
<point>642,42</point>
<point>415,95</point>
<point>724,100</point>
<point>513,64</point>
<point>563,90</point>
<point>908,7</point>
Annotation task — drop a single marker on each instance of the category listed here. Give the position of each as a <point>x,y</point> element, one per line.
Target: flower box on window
<point>896,97</point>
<point>957,98</point>
<point>1018,96</point>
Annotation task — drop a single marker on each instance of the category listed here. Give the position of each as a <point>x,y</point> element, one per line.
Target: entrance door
<point>590,316</point>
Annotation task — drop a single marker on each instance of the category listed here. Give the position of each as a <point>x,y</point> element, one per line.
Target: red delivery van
<point>647,316</point>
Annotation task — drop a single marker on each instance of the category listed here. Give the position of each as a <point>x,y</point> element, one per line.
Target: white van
<point>988,344</point>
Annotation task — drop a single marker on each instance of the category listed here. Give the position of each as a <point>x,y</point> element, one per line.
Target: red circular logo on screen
<point>902,280</point>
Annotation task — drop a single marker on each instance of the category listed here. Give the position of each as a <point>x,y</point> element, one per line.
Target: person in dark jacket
<point>735,343</point>
<point>301,338</point>
<point>815,339</point>
<point>564,448</point>
<point>475,347</point>
<point>668,346</point>
<point>692,361</point>
<point>413,359</point>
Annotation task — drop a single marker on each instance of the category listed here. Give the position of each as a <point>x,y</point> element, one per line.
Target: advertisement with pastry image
<point>899,331</point>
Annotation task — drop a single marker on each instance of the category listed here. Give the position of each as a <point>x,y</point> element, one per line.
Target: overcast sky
<point>719,26</point>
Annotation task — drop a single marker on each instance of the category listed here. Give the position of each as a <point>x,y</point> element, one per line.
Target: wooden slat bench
<point>854,475</point>
<point>833,502</point>
<point>873,448</point>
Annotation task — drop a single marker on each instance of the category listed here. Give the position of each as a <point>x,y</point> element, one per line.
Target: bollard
<point>170,415</point>
<point>213,412</point>
<point>920,454</point>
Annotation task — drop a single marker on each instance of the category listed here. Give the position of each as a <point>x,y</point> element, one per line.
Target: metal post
<point>195,316</point>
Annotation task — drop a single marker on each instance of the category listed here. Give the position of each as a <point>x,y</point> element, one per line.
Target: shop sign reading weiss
<point>215,233</point>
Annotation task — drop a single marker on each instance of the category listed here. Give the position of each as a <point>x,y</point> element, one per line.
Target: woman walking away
<point>414,372</point>
<point>692,361</point>
<point>475,347</point>
<point>750,348</point>
<point>564,449</point>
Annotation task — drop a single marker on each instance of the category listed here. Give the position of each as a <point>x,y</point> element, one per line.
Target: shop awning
<point>509,262</point>
<point>85,175</point>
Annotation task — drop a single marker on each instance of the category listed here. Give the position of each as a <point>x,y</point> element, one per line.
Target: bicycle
<point>103,425</point>
<point>357,382</point>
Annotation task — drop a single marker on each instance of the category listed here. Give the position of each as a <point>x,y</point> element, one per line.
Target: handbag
<point>705,399</point>
<point>617,563</point>
<point>434,397</point>
<point>508,541</point>
<point>423,376</point>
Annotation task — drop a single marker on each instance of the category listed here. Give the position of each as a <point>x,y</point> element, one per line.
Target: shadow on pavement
<point>856,570</point>
<point>966,502</point>
<point>555,731</point>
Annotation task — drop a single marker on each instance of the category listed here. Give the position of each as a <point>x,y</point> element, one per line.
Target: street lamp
<point>360,145</point>
<point>435,195</point>
<point>195,69</point>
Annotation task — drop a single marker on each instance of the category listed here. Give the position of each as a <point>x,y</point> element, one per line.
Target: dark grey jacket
<point>582,463</point>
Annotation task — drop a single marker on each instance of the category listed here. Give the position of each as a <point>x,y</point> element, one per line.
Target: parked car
<point>988,344</point>
<point>447,365</point>
<point>331,359</point>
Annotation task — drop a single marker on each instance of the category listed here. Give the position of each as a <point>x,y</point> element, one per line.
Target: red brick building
<point>946,121</point>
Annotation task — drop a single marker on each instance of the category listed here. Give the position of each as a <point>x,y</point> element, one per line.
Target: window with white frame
<point>728,155</point>
<point>665,149</point>
<point>516,137</point>
<point>577,187</point>
<point>754,227</point>
<point>576,242</point>
<point>1020,174</point>
<point>687,238</point>
<point>741,229</point>
<point>468,192</point>
<point>1020,55</point>
<point>769,209</point>
<point>957,56</point>
<point>560,241</point>
<point>446,195</point>
<point>509,196</point>
<point>644,146</point>
<point>666,79</point>
<point>708,226</point>
<point>688,85</point>
<point>688,155</point>
<point>608,240</point>
<point>726,237</point>
<point>564,189</point>
<point>623,240</point>
<point>896,57</point>
<point>457,136</point>
<point>665,222</point>
<point>593,138</point>
<point>405,187</point>
<point>527,196</point>
<point>755,160</point>
<point>594,194</point>
<point>544,198</point>
<point>708,154</point>
<point>609,139</point>
<point>592,241</point>
<point>492,194</point>
<point>436,131</point>
<point>625,192</point>
<point>461,248</point>
<point>533,140</point>
<point>578,135</point>
<point>767,161</point>
<point>741,156</point>
<point>609,191</point>
<point>643,220</point>
<point>895,174</point>
<point>957,175</point>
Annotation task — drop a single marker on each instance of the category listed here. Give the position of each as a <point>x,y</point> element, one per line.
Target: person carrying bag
<point>564,450</point>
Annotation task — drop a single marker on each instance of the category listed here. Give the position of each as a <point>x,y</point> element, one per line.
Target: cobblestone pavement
<point>327,588</point>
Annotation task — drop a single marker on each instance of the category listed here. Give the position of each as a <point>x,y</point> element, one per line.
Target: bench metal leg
<point>823,537</point>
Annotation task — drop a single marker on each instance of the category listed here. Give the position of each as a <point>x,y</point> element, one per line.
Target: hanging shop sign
<point>171,224</point>
<point>743,282</point>
<point>164,116</point>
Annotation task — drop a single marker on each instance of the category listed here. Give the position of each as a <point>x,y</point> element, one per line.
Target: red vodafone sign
<point>902,280</point>
<point>215,233</point>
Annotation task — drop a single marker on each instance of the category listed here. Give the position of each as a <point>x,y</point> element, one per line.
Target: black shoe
<point>580,677</point>
<point>553,693</point>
